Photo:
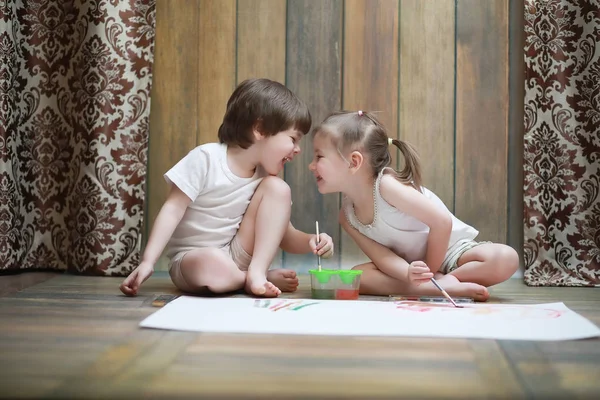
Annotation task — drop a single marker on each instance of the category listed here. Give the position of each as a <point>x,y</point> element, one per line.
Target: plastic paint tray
<point>335,284</point>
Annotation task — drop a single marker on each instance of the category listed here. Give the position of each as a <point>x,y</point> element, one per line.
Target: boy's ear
<point>257,130</point>
<point>356,160</point>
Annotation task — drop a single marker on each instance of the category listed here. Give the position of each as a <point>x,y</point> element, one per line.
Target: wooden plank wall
<point>314,32</point>
<point>370,74</point>
<point>481,163</point>
<point>436,71</point>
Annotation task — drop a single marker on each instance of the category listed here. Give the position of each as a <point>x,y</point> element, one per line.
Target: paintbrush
<point>446,295</point>
<point>318,240</point>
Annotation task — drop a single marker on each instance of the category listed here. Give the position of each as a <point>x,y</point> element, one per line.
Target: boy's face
<point>280,149</point>
<point>327,165</point>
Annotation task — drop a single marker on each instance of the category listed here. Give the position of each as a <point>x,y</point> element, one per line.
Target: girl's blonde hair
<point>362,131</point>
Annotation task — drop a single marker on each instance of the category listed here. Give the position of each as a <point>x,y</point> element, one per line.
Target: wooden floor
<point>65,336</point>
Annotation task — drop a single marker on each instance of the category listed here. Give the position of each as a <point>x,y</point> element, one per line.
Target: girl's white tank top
<point>405,235</point>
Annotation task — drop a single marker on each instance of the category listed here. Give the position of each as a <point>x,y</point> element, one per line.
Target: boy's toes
<point>258,290</point>
<point>272,289</point>
<point>267,289</point>
<point>262,288</point>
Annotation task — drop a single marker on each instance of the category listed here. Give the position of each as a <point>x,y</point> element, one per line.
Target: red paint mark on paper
<point>506,310</point>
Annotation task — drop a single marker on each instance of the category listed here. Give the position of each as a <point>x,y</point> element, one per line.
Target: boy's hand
<point>132,283</point>
<point>419,273</point>
<point>324,247</point>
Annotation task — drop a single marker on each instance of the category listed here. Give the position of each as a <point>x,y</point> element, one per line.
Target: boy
<point>227,211</point>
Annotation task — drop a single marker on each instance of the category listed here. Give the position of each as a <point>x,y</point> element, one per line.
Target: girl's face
<point>328,166</point>
<point>279,149</point>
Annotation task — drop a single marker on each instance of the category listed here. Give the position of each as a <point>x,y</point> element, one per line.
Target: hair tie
<point>390,141</point>
<point>360,113</point>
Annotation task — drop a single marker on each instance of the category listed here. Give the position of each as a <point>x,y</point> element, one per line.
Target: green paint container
<point>322,283</point>
<point>335,284</point>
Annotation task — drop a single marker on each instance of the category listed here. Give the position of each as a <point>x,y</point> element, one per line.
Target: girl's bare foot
<point>463,289</point>
<point>285,279</point>
<point>258,285</point>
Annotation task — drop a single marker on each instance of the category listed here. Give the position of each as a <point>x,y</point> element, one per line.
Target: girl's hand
<point>419,273</point>
<point>324,247</point>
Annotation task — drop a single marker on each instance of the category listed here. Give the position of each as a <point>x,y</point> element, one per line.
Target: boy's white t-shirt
<point>219,199</point>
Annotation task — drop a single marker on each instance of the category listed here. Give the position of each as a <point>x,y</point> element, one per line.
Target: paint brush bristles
<point>446,295</point>
<point>318,240</point>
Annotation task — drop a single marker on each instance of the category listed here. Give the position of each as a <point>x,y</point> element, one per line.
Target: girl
<point>228,212</point>
<point>406,230</point>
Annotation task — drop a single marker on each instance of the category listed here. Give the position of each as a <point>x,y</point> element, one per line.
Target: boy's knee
<point>206,268</point>
<point>223,285</point>
<point>275,186</point>
<point>204,258</point>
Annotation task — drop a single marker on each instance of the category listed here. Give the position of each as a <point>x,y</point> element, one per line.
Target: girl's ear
<point>356,160</point>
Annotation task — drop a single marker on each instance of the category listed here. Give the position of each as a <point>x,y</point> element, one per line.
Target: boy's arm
<point>415,204</point>
<point>164,225</point>
<point>298,242</point>
<point>384,259</point>
<point>295,241</point>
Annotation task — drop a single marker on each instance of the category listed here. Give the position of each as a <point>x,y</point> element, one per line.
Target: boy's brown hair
<point>267,103</point>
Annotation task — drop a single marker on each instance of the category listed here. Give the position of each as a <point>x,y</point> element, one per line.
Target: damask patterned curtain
<point>562,142</point>
<point>75,79</point>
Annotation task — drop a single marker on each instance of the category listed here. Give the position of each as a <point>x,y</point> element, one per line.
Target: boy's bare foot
<point>454,287</point>
<point>285,279</point>
<point>258,285</point>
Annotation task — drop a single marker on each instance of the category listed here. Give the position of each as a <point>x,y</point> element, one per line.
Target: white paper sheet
<point>552,321</point>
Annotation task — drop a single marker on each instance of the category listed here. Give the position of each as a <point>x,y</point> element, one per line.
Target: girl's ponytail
<point>411,173</point>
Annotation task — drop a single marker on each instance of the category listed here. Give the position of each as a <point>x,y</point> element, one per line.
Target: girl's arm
<point>412,202</point>
<point>384,259</point>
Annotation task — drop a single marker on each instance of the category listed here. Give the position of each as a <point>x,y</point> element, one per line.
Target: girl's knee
<point>507,262</point>
<point>511,259</point>
<point>506,255</point>
<point>364,267</point>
